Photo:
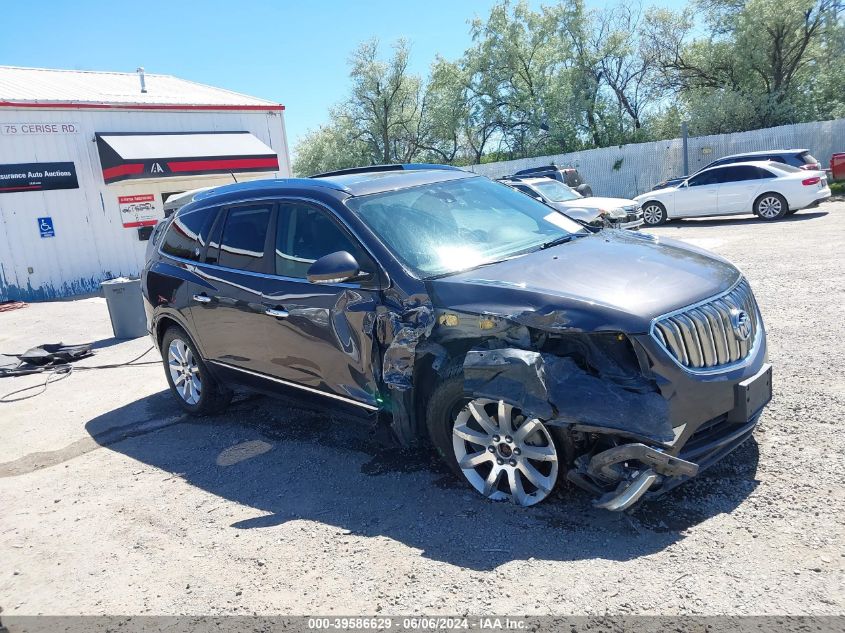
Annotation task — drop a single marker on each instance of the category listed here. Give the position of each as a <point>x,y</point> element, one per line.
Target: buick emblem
<point>741,323</point>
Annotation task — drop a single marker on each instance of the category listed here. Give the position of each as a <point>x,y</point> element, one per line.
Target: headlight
<point>616,213</point>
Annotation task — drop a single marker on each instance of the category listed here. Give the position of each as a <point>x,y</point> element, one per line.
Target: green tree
<point>560,77</point>
<point>384,104</point>
<point>333,146</point>
<point>755,65</point>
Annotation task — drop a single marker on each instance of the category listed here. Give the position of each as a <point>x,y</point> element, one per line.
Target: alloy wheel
<point>769,207</point>
<point>652,214</point>
<point>504,455</point>
<point>184,371</point>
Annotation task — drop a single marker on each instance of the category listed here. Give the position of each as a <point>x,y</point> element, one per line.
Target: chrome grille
<point>702,336</point>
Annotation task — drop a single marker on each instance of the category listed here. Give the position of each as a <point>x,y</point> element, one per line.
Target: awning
<point>126,156</point>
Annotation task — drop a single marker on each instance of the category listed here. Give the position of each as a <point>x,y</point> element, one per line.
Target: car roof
<point>543,168</point>
<point>765,152</point>
<point>356,182</point>
<point>364,183</point>
<point>751,163</point>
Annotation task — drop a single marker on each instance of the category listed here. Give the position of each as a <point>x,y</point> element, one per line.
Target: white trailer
<point>87,160</point>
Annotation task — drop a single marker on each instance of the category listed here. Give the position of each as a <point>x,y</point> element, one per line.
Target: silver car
<point>595,211</point>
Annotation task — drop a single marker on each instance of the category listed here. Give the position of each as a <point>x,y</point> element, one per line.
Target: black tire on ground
<point>447,397</point>
<point>792,212</point>
<point>770,206</point>
<point>654,213</point>
<point>213,397</point>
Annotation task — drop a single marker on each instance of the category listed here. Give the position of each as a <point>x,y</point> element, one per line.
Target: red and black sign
<point>141,156</point>
<point>21,177</point>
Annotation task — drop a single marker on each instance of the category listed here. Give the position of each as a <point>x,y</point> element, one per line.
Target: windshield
<point>451,226</point>
<point>555,191</point>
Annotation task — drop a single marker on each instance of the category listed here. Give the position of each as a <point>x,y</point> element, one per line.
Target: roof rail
<point>268,184</point>
<point>379,168</point>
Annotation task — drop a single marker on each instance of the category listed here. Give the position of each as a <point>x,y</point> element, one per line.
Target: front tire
<point>654,214</point>
<point>503,454</point>
<point>771,206</point>
<point>191,384</point>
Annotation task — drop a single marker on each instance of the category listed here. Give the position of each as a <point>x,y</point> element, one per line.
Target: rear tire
<point>503,455</point>
<point>771,206</point>
<point>654,213</point>
<point>191,383</point>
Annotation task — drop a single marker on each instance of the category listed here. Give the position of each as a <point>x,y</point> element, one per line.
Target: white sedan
<point>769,190</point>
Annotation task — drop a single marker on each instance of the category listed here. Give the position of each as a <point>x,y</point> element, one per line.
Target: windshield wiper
<point>563,239</point>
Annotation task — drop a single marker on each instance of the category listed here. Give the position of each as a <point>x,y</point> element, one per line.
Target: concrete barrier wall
<point>627,170</point>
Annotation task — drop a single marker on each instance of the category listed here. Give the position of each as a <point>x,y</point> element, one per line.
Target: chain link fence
<point>627,170</point>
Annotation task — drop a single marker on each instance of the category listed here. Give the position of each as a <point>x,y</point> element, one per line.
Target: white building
<point>87,160</point>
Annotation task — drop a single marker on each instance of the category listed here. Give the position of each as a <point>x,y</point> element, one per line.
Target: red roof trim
<point>137,106</point>
<point>110,173</point>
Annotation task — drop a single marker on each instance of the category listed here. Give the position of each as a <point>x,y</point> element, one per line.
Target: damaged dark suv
<point>527,348</point>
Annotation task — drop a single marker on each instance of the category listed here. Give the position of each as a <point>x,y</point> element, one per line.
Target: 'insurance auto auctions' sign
<point>23,177</point>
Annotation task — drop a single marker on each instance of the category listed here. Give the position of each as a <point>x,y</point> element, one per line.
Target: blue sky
<point>294,53</point>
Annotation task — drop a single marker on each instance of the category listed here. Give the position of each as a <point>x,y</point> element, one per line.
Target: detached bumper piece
<point>639,471</point>
<point>613,465</point>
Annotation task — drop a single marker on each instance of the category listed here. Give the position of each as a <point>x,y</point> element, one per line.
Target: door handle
<point>203,298</point>
<point>279,314</point>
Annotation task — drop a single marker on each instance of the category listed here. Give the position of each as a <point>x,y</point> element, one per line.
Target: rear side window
<point>242,239</point>
<point>304,234</point>
<point>188,234</point>
<point>738,173</point>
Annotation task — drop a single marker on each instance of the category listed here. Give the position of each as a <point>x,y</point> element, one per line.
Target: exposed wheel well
<point>162,325</point>
<point>426,377</point>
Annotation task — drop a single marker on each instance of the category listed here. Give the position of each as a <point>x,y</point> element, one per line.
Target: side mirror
<point>334,268</point>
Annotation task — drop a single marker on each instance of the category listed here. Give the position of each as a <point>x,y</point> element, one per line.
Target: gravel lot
<point>115,503</point>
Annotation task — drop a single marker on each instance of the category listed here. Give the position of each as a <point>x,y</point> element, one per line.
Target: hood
<point>669,182</point>
<point>610,280</point>
<point>595,202</point>
<point>585,213</point>
<point>650,194</point>
<point>588,209</point>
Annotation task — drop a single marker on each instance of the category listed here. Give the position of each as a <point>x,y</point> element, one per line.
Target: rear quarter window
<point>187,234</point>
<point>807,159</point>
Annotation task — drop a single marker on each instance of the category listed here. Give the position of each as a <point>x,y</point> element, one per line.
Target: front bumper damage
<point>630,439</point>
<point>638,471</point>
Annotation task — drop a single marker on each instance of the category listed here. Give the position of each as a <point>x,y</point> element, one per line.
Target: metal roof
<point>29,87</point>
